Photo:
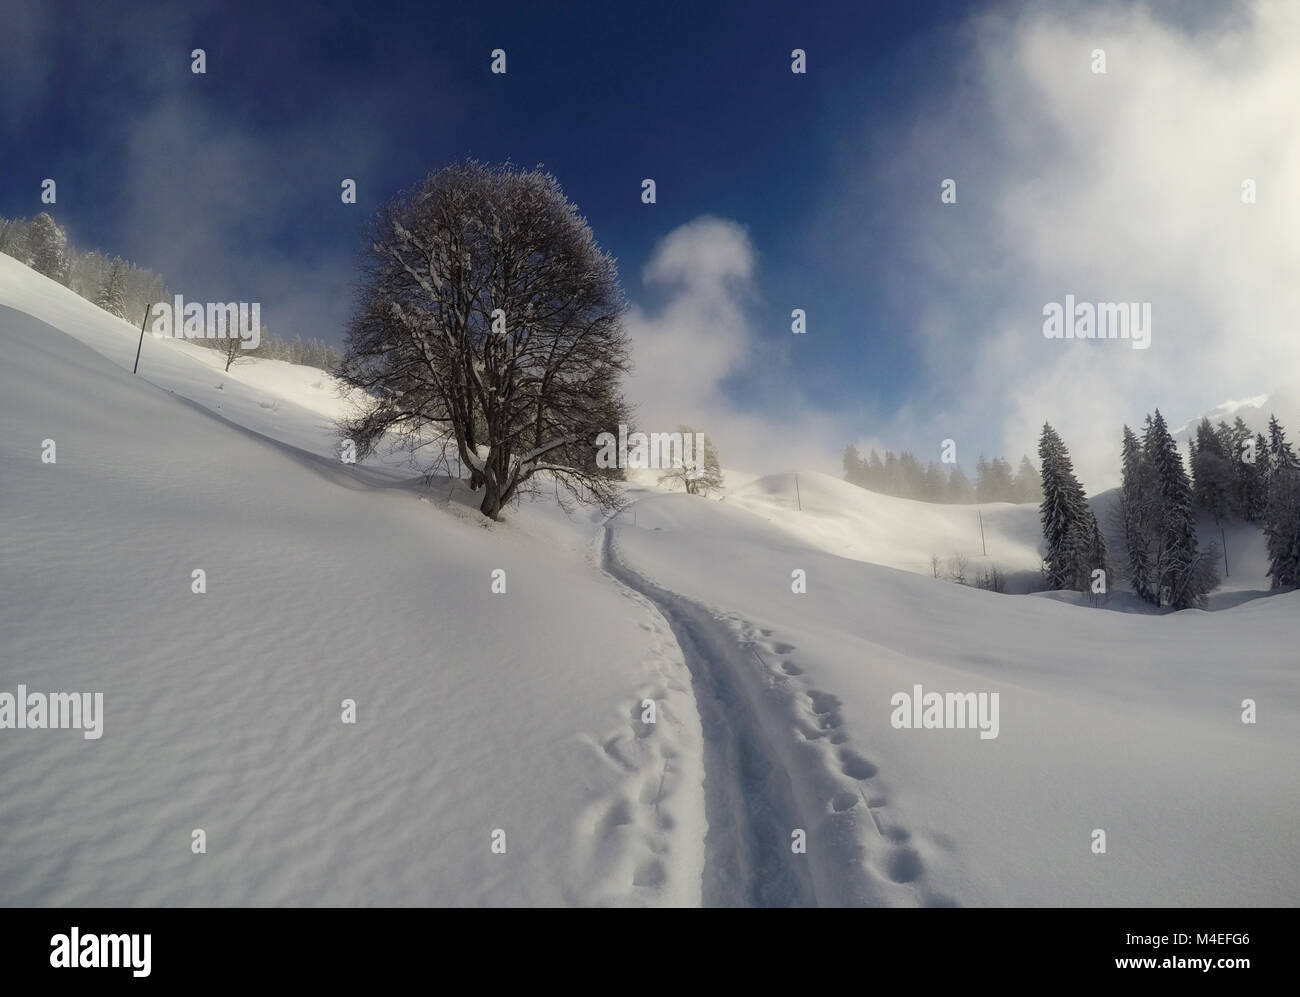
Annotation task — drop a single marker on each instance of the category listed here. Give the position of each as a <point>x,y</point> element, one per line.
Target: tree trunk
<point>491,504</point>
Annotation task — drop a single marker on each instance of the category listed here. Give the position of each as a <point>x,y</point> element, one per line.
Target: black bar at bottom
<point>334,947</point>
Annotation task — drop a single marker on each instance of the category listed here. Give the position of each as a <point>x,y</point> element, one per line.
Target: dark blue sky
<point>603,94</point>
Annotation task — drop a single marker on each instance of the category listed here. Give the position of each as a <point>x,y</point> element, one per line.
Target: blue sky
<point>826,184</point>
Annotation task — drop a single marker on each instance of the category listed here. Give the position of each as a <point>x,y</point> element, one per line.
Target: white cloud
<point>1117,187</point>
<point>701,334</point>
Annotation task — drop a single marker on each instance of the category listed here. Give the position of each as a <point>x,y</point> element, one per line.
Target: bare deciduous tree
<point>232,349</point>
<point>489,324</point>
<point>704,475</point>
<point>957,568</point>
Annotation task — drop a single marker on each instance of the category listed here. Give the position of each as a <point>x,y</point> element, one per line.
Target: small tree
<point>992,579</point>
<point>232,351</point>
<point>703,475</point>
<point>957,568</point>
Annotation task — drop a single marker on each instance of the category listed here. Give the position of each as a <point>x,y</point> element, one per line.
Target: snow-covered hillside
<point>521,711</point>
<point>1126,723</point>
<point>223,711</point>
<point>840,518</point>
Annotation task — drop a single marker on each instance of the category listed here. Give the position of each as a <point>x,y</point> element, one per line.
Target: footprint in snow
<point>855,766</point>
<point>844,801</point>
<point>904,865</point>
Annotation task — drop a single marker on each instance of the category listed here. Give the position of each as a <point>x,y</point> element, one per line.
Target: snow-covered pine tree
<point>891,479</point>
<point>1213,478</point>
<point>934,482</point>
<point>875,471</point>
<point>110,295</point>
<point>1257,478</point>
<point>1064,514</point>
<point>1001,488</point>
<point>1181,579</point>
<point>1282,511</point>
<point>1028,485</point>
<point>1232,441</point>
<point>982,473</point>
<point>1135,514</point>
<point>912,475</point>
<point>1095,556</point>
<point>48,246</point>
<point>958,491</point>
<point>854,466</point>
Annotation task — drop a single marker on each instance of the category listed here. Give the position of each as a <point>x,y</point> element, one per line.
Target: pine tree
<point>1135,513</point>
<point>891,479</point>
<point>110,295</point>
<point>911,474</point>
<point>1065,515</point>
<point>982,473</point>
<point>853,466</point>
<point>1095,556</point>
<point>48,245</point>
<point>875,475</point>
<point>1000,488</point>
<point>1282,511</point>
<point>1257,482</point>
<point>1180,575</point>
<point>933,482</point>
<point>1028,483</point>
<point>1213,477</point>
<point>959,490</point>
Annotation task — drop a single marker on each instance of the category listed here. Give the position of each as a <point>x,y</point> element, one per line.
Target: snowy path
<point>765,772</point>
<point>748,799</point>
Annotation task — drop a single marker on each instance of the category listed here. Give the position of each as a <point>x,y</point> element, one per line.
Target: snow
<point>1127,723</point>
<point>843,519</point>
<point>476,711</point>
<point>522,711</point>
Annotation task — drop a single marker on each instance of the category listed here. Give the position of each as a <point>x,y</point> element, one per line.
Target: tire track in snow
<point>748,797</point>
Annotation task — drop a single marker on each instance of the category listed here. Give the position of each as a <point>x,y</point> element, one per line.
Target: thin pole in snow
<point>982,545</point>
<point>798,497</point>
<point>140,345</point>
<point>1226,573</point>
